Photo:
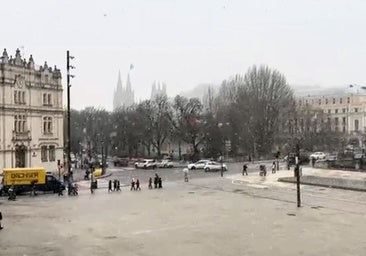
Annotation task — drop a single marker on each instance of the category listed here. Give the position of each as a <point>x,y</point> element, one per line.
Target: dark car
<point>291,158</point>
<point>121,162</point>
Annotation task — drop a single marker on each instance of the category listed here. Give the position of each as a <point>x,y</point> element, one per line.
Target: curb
<point>104,176</point>
<point>320,184</point>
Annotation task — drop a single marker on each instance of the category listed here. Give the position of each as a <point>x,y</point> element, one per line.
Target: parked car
<point>318,155</point>
<point>198,165</point>
<point>146,164</point>
<point>165,164</point>
<point>214,166</point>
<point>122,162</point>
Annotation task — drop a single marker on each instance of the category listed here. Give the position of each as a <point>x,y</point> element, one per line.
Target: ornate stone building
<point>123,97</point>
<point>31,115</point>
<point>343,112</point>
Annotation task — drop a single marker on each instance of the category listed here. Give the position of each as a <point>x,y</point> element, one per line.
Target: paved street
<point>210,215</point>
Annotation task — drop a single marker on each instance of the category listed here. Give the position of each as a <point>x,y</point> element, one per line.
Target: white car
<point>214,166</point>
<point>147,163</point>
<point>318,155</point>
<point>165,164</point>
<point>198,165</point>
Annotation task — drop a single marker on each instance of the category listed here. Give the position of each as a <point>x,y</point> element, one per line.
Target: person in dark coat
<point>118,186</point>
<point>133,184</point>
<point>60,192</point>
<point>150,183</point>
<point>156,180</point>
<point>109,185</point>
<point>1,218</point>
<point>160,182</point>
<point>138,184</point>
<point>114,185</point>
<point>245,168</point>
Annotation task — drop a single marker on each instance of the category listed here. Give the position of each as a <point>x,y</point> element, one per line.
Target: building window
<point>340,100</point>
<point>306,102</point>
<point>344,110</point>
<point>336,111</point>
<point>344,120</point>
<point>348,100</point>
<point>300,102</point>
<point>344,129</point>
<point>44,154</point>
<point>52,155</point>
<point>336,121</point>
<point>19,97</point>
<point>47,125</point>
<point>356,125</point>
<point>47,99</point>
<point>356,110</point>
<point>320,101</point>
<point>20,123</point>
<point>329,111</point>
<point>326,101</point>
<point>333,100</point>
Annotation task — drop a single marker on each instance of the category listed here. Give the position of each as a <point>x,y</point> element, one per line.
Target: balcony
<point>21,136</point>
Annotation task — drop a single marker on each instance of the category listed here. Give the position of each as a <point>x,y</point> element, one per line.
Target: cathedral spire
<point>128,83</point>
<point>119,82</point>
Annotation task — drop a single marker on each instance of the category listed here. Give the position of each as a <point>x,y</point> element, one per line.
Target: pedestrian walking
<point>33,192</point>
<point>60,192</point>
<point>118,186</point>
<point>150,183</point>
<point>114,185</point>
<point>186,171</point>
<point>1,218</point>
<point>138,184</point>
<point>274,167</point>
<point>109,185</point>
<point>245,168</point>
<point>12,193</point>
<point>133,184</point>
<point>156,180</point>
<point>160,182</point>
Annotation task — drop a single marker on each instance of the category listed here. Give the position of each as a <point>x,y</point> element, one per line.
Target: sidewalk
<point>350,180</point>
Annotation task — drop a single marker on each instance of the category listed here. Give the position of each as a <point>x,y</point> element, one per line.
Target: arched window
<point>356,125</point>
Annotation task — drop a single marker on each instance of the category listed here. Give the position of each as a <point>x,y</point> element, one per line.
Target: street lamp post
<point>68,67</point>
<point>222,165</point>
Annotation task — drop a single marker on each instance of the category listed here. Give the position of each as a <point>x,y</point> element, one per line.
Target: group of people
<point>116,185</point>
<point>261,167</point>
<point>135,184</point>
<point>157,182</point>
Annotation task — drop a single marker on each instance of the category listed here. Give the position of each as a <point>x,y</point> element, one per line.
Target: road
<point>209,215</point>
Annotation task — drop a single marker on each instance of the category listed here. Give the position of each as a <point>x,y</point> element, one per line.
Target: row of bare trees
<point>250,115</point>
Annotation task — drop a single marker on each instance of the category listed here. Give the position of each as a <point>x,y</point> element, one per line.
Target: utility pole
<point>68,67</point>
<point>222,165</point>
<point>297,174</point>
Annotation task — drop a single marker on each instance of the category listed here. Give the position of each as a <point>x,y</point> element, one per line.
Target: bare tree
<point>188,122</point>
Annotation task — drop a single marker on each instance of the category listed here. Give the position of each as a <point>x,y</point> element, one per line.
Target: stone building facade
<point>343,112</point>
<point>31,116</point>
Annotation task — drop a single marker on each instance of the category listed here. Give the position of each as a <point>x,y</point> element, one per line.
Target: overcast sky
<point>188,42</point>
